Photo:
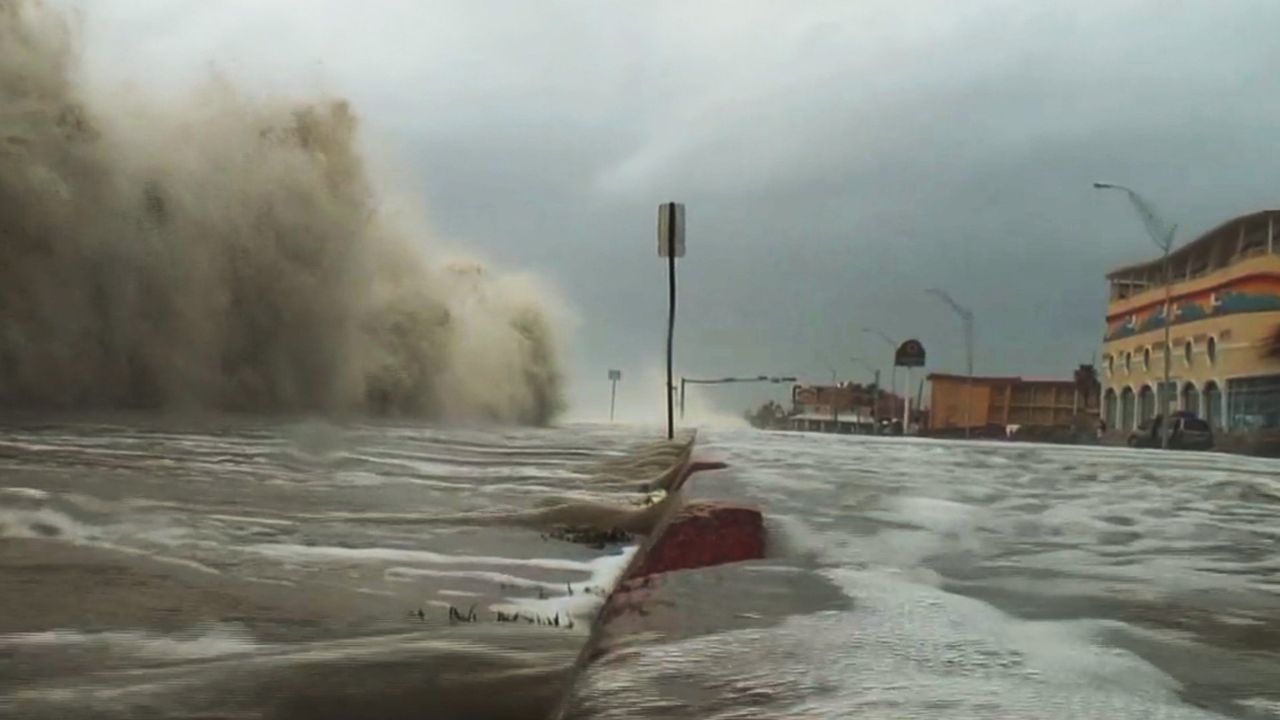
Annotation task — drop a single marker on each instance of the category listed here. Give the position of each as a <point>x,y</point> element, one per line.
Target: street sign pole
<point>671,335</point>
<point>614,377</point>
<point>671,246</point>
<point>910,354</point>
<point>906,404</point>
<point>875,406</point>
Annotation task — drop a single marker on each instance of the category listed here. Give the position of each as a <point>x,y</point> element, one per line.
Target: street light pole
<point>966,319</point>
<point>1162,235</point>
<point>614,377</point>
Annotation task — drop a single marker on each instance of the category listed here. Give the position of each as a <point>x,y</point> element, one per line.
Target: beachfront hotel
<point>1224,340</point>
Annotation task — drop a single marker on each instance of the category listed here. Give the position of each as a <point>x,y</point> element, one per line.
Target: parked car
<point>1188,432</point>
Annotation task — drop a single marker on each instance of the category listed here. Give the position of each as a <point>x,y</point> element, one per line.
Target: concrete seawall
<point>689,535</point>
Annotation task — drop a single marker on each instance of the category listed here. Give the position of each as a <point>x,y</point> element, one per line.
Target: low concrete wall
<point>687,537</point>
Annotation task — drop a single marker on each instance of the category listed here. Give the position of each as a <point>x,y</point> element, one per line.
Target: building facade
<point>1224,300</point>
<point>957,402</point>
<point>844,407</point>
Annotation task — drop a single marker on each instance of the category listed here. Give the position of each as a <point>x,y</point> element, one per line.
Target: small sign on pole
<point>671,229</point>
<point>671,246</point>
<point>909,354</point>
<point>614,377</point>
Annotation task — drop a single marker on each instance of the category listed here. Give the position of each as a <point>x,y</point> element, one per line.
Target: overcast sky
<point>837,158</point>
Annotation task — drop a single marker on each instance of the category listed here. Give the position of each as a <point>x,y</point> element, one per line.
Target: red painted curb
<point>704,534</point>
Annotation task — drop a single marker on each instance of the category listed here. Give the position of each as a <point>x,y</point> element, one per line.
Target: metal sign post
<point>614,377</point>
<point>671,246</point>
<point>910,354</point>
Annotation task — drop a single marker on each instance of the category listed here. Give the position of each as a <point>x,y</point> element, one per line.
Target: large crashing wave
<point>229,255</point>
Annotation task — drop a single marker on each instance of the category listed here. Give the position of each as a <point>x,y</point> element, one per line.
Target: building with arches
<point>1224,325</point>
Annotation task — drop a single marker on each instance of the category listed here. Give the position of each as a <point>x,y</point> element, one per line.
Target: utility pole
<point>966,319</point>
<point>1162,235</point>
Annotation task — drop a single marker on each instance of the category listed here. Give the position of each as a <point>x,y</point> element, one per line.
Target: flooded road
<point>255,570</point>
<point>304,570</point>
<point>915,578</point>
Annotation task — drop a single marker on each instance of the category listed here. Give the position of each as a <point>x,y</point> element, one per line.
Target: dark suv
<point>1188,432</point>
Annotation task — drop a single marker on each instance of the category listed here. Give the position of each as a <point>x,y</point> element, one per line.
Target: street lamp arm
<point>882,335</point>
<point>959,309</point>
<point>1161,233</point>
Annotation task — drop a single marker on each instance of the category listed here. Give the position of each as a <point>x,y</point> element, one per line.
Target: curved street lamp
<point>893,350</point>
<point>1162,235</point>
<point>966,319</point>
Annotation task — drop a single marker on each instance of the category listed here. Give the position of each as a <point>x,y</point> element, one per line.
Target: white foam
<point>295,553</point>
<point>904,651</point>
<point>577,601</point>
<point>251,520</point>
<point>408,573</point>
<point>42,523</point>
<point>219,641</point>
<point>26,492</point>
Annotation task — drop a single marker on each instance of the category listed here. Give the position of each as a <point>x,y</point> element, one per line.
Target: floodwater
<point>925,579</point>
<point>256,570</point>
<point>253,569</point>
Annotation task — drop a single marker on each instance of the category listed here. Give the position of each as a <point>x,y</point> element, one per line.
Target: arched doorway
<point>1191,398</point>
<point>1146,404</point>
<point>1126,409</point>
<point>1213,405</point>
<point>1109,408</point>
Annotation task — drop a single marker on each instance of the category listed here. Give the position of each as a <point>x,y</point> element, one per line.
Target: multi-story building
<point>844,407</point>
<point>1224,324</point>
<point>957,402</point>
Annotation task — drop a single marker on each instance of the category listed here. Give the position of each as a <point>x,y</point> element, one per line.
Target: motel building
<point>1225,326</point>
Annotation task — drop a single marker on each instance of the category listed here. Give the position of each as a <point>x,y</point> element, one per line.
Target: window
<point>1187,351</point>
<point>1254,403</point>
<point>1190,399</point>
<point>1213,405</point>
<point>1211,350</point>
<point>1128,361</point>
<point>1195,425</point>
<point>1126,409</point>
<point>1108,362</point>
<point>1254,240</point>
<point>1146,358</point>
<point>1146,404</point>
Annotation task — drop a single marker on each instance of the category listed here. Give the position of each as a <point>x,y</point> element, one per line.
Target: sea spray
<point>223,253</point>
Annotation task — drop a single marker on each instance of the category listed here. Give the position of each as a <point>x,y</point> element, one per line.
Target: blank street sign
<point>671,229</point>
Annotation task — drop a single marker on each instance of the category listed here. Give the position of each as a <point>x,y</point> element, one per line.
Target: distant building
<point>843,408</point>
<point>1225,328</point>
<point>1007,402</point>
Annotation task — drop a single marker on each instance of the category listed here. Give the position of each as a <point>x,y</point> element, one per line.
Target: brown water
<point>244,568</point>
